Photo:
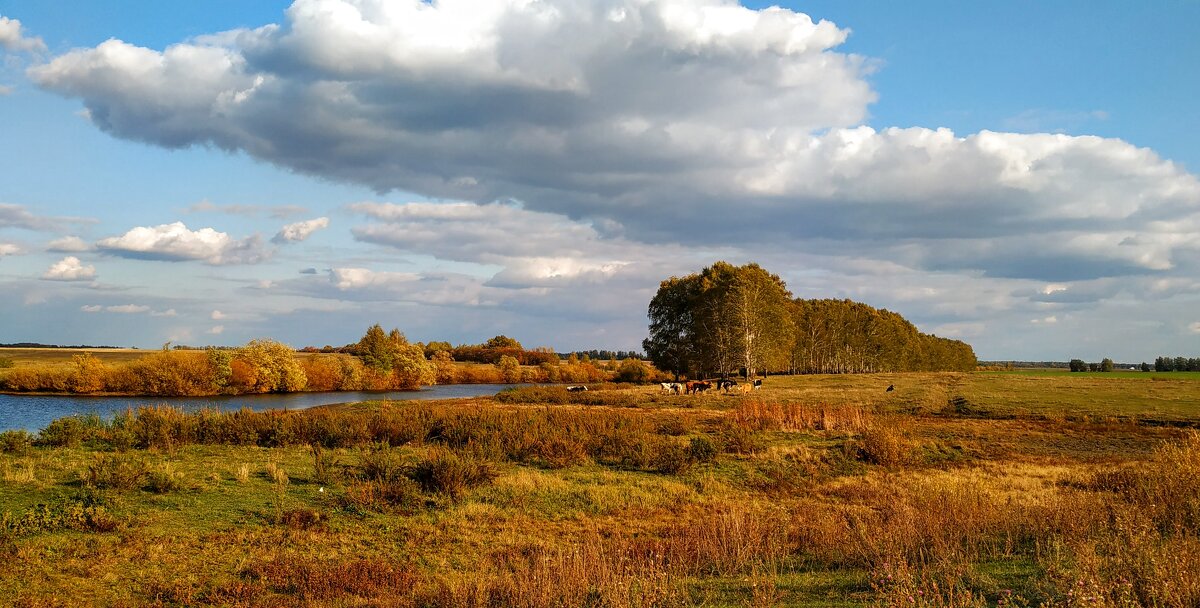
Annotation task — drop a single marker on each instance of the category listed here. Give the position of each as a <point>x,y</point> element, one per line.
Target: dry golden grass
<point>812,500</point>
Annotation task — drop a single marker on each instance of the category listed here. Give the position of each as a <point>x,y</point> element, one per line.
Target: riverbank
<point>966,490</point>
<point>32,413</point>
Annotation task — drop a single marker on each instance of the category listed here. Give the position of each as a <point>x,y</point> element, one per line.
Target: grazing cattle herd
<point>695,387</point>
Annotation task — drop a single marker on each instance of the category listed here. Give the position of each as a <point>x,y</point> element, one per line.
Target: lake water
<point>33,413</point>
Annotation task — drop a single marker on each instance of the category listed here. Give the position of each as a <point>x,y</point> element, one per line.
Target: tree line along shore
<point>722,321</point>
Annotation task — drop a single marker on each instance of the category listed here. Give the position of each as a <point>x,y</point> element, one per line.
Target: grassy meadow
<point>955,489</point>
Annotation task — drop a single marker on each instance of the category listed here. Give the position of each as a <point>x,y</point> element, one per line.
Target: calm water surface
<point>34,413</point>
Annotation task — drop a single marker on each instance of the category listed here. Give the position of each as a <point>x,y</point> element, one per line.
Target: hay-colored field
<point>52,356</point>
<point>952,490</point>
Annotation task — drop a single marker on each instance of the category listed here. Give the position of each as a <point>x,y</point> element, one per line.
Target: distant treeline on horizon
<point>40,345</point>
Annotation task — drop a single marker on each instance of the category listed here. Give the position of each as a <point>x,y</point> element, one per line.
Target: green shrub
<point>72,514</point>
<point>561,452</point>
<point>15,442</point>
<point>115,472</point>
<point>739,440</point>
<point>778,477</point>
<point>324,462</point>
<point>672,458</point>
<point>451,474</point>
<point>6,362</point>
<point>673,426</point>
<point>702,449</point>
<point>379,462</point>
<point>163,480</point>
<point>62,433</point>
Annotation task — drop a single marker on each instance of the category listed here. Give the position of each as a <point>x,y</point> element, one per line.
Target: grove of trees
<point>1177,364</point>
<point>728,319</point>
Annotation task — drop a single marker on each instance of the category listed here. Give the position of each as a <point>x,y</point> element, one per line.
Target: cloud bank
<point>657,136</point>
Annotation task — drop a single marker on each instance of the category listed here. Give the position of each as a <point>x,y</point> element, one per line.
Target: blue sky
<point>503,170</point>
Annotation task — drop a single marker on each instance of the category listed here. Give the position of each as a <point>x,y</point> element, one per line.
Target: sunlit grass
<point>823,486</point>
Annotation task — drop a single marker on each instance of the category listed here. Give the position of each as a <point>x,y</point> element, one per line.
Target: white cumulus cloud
<point>127,309</point>
<point>216,330</point>
<point>648,115</point>
<point>217,315</point>
<point>13,39</point>
<point>7,249</point>
<point>69,269</point>
<point>68,244</point>
<point>175,242</point>
<point>91,308</point>
<point>294,233</point>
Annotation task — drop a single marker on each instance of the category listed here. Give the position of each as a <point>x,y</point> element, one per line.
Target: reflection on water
<point>34,413</point>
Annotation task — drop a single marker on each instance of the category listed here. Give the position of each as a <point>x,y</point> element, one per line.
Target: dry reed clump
<point>324,464</point>
<point>731,539</point>
<point>242,473</point>
<point>317,580</point>
<point>598,573</point>
<point>164,479</point>
<point>1130,564</point>
<point>1166,489</point>
<point>919,520</point>
<point>115,472</point>
<point>1144,547</point>
<point>884,443</point>
<point>764,415</point>
<point>899,584</point>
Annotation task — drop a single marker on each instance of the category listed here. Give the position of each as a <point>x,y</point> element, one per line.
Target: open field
<point>952,490</point>
<point>53,356</point>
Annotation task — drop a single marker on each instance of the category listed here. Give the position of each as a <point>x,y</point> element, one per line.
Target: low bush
<point>115,472</point>
<point>62,433</point>
<point>560,452</point>
<point>380,462</point>
<point>82,515</point>
<point>760,415</point>
<point>163,479</point>
<point>15,442</point>
<point>702,449</point>
<point>740,440</point>
<point>445,472</point>
<point>884,445</point>
<point>303,518</point>
<point>398,495</point>
<point>671,458</point>
<point>316,580</point>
